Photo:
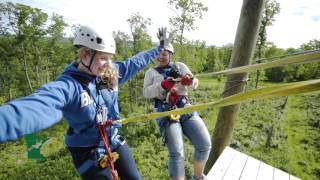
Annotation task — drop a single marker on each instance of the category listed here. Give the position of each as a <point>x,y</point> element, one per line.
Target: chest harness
<point>106,156</point>
<point>171,70</point>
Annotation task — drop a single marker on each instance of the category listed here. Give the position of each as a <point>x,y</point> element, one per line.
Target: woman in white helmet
<point>86,95</point>
<point>168,85</point>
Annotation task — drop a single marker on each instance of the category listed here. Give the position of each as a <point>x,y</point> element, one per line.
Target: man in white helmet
<point>168,85</point>
<point>86,95</point>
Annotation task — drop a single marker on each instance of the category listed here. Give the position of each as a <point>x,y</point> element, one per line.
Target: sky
<point>298,21</point>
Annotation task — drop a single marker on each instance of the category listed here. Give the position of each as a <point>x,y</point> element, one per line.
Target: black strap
<point>171,70</point>
<point>83,81</point>
<point>85,85</point>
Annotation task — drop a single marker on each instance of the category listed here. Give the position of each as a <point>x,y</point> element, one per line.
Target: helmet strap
<point>170,56</point>
<point>92,54</point>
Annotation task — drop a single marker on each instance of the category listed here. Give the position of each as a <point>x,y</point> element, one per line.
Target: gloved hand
<point>187,80</point>
<point>173,96</point>
<point>164,38</point>
<point>113,130</point>
<point>167,84</point>
<point>113,135</point>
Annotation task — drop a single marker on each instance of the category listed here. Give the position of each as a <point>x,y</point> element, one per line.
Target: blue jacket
<point>67,97</point>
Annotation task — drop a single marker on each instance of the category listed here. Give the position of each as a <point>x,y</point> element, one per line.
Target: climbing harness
<point>109,158</point>
<point>102,123</point>
<point>169,103</point>
<point>172,100</point>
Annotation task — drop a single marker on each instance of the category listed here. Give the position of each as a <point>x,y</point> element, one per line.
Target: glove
<point>167,84</point>
<point>163,37</point>
<point>173,97</point>
<point>187,80</point>
<point>113,135</point>
<point>113,130</point>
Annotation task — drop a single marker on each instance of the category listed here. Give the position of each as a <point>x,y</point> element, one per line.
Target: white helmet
<point>99,41</point>
<point>170,48</point>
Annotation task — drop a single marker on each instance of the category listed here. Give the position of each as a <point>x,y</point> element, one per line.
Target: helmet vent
<point>99,40</point>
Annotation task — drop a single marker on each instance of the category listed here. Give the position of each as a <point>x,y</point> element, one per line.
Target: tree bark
<point>244,45</point>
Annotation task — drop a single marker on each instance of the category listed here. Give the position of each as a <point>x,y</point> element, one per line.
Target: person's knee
<point>204,146</point>
<point>202,151</point>
<point>176,155</point>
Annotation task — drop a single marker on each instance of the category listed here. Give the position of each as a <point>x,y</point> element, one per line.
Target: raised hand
<point>164,37</point>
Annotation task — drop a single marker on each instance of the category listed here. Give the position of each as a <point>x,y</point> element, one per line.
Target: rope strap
<point>110,159</point>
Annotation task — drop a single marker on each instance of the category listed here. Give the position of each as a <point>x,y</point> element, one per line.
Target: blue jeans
<point>125,165</point>
<point>195,130</point>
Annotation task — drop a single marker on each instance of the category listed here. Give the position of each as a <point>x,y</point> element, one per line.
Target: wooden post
<point>244,45</point>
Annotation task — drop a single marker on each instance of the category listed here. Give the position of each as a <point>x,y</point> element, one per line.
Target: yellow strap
<point>104,161</point>
<point>268,92</point>
<point>280,90</point>
<point>174,117</point>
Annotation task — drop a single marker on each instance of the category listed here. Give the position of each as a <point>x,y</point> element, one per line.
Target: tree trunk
<point>258,62</point>
<point>257,79</point>
<point>244,45</point>
<point>38,75</point>
<point>47,70</point>
<point>26,67</point>
<point>10,94</point>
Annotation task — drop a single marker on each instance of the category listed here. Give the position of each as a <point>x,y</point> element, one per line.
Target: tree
<point>141,41</point>
<point>311,45</point>
<point>311,70</point>
<point>122,44</point>
<point>26,26</point>
<point>139,32</point>
<point>188,12</point>
<point>54,52</point>
<point>275,74</point>
<point>243,48</point>
<point>32,45</point>
<point>271,9</point>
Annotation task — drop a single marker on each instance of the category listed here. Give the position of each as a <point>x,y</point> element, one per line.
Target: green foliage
<point>32,49</point>
<point>57,164</point>
<point>187,11</point>
<point>292,145</point>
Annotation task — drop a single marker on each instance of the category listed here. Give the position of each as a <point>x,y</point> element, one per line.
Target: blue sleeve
<point>35,112</point>
<point>133,65</point>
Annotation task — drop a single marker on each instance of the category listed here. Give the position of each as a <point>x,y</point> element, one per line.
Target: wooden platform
<point>234,165</point>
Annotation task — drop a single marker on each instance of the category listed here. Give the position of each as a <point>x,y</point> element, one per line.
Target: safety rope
<point>301,58</point>
<point>239,82</point>
<point>102,129</point>
<point>286,55</point>
<point>282,90</point>
<point>267,92</point>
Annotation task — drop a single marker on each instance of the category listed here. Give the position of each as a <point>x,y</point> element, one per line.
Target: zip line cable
<point>285,55</point>
<point>301,58</point>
